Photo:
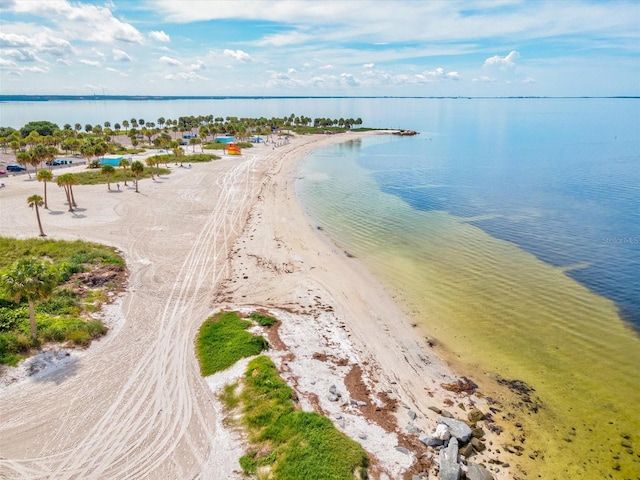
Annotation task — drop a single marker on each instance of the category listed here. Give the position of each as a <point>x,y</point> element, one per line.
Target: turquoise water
<point>558,178</point>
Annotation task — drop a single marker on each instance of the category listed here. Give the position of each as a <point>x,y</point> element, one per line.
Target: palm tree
<point>107,171</point>
<point>67,180</point>
<point>45,176</point>
<point>124,163</point>
<point>23,157</point>
<point>150,163</point>
<point>137,168</point>
<point>35,201</point>
<point>31,279</point>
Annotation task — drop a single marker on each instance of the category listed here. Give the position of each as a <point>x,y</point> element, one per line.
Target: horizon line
<point>47,97</point>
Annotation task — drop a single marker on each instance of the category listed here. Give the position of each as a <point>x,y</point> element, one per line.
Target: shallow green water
<point>496,311</point>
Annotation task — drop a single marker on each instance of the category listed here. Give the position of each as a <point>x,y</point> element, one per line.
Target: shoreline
<point>227,234</point>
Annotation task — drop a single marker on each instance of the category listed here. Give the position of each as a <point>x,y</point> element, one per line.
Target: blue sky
<point>328,47</point>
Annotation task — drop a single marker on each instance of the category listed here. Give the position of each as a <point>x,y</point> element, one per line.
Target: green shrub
<point>79,337</point>
<point>12,317</point>
<point>263,320</point>
<point>223,340</point>
<point>297,444</point>
<point>57,318</point>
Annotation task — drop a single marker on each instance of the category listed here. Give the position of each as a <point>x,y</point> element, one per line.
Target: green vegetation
<point>223,340</point>
<point>290,443</point>
<point>96,177</point>
<point>293,443</point>
<point>263,320</point>
<point>60,313</point>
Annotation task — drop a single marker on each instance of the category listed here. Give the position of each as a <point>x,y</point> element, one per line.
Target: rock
<point>412,415</point>
<point>403,450</point>
<point>444,413</point>
<point>362,436</point>
<point>337,416</point>
<point>412,429</point>
<point>416,477</point>
<point>477,444</point>
<point>477,432</point>
<point>432,442</point>
<point>332,398</point>
<point>436,409</point>
<point>333,389</point>
<point>475,415</point>
<point>458,429</point>
<point>353,402</point>
<point>467,450</point>
<point>449,467</point>
<point>442,432</point>
<point>478,472</point>
<point>361,403</point>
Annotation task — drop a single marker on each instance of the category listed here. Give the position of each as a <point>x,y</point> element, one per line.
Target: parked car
<point>15,168</point>
<point>2,172</point>
<point>55,163</point>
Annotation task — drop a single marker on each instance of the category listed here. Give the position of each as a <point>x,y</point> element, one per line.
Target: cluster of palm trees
<point>96,140</point>
<point>35,148</point>
<point>66,181</point>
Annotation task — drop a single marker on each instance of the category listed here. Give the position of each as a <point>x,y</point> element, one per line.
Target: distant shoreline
<point>48,98</point>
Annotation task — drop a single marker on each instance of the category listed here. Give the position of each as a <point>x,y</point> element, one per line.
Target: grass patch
<point>263,320</point>
<point>61,318</point>
<point>295,444</point>
<point>95,176</point>
<point>223,340</point>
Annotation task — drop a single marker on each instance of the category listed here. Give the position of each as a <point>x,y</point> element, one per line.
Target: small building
<point>224,139</point>
<point>233,149</point>
<point>113,160</point>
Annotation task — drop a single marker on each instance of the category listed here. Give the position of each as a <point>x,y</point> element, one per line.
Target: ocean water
<point>509,230</point>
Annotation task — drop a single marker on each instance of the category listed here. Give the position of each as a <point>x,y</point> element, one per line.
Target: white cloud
<point>529,80</point>
<point>170,60</point>
<point>91,63</point>
<point>189,76</point>
<point>485,79</point>
<point>43,41</point>
<point>369,65</point>
<point>349,79</point>
<point>159,36</point>
<point>238,55</point>
<point>81,20</point>
<point>200,65</point>
<point>7,63</point>
<point>120,55</point>
<point>502,62</point>
<point>291,71</point>
<point>34,69</point>
<point>326,67</point>
<point>64,61</point>
<point>284,39</point>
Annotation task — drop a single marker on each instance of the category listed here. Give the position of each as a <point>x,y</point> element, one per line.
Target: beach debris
<point>463,385</point>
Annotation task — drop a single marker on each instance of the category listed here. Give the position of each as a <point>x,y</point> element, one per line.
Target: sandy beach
<point>229,234</point>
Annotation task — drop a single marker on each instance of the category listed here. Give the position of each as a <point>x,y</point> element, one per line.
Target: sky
<point>320,48</point>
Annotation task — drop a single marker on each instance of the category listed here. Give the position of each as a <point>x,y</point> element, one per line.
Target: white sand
<point>227,234</point>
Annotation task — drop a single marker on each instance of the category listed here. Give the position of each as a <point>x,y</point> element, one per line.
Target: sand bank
<point>229,234</point>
